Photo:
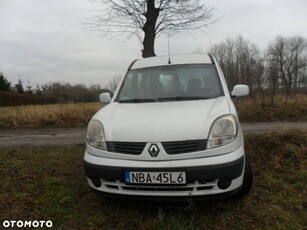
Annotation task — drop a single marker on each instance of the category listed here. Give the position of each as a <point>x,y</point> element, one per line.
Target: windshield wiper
<point>136,100</point>
<point>182,98</point>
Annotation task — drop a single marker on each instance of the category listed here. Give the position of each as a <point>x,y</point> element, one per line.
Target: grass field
<point>40,116</point>
<point>294,109</point>
<point>49,184</point>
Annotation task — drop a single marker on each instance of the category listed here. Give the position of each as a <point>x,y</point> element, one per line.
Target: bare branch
<point>147,19</point>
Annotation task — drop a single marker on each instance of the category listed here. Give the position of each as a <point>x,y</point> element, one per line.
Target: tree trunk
<point>150,30</point>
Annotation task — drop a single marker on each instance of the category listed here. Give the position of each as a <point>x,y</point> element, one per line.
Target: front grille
<point>179,147</point>
<point>171,147</point>
<point>133,148</point>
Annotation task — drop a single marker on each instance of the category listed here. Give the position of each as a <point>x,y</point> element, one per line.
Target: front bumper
<point>205,176</point>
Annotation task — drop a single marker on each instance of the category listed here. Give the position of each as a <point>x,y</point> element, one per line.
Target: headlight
<point>95,135</point>
<point>223,131</point>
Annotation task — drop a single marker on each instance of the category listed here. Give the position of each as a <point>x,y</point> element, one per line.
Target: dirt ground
<point>42,137</point>
<point>77,136</point>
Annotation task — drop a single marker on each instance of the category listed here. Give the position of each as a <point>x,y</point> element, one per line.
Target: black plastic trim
<point>132,63</point>
<point>168,198</point>
<point>229,170</point>
<point>182,147</point>
<point>211,58</point>
<point>129,148</point>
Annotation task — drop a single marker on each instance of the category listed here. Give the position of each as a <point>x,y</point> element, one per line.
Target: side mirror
<point>105,98</point>
<point>240,91</point>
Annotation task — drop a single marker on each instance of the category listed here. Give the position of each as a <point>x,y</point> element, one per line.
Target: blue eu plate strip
<point>127,177</point>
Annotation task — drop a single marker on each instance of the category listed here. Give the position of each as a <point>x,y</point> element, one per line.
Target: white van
<point>170,130</point>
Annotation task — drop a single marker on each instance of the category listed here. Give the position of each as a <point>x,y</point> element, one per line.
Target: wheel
<point>247,180</point>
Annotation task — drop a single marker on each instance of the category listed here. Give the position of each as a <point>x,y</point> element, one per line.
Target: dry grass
<point>37,116</point>
<point>293,109</point>
<point>49,184</point>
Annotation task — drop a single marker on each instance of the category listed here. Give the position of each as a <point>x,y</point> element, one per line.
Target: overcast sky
<point>46,41</point>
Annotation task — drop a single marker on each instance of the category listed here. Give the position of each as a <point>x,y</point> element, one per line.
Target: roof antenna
<point>169,54</point>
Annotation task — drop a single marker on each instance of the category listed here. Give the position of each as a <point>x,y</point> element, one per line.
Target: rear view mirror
<point>240,91</point>
<point>105,98</point>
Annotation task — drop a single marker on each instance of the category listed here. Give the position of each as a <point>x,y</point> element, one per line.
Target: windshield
<point>170,83</point>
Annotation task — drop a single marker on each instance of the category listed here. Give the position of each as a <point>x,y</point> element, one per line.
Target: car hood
<point>161,121</point>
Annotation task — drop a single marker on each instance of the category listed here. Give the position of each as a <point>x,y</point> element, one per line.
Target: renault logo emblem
<point>153,150</point>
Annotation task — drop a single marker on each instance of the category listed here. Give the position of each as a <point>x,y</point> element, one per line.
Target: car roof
<point>177,59</point>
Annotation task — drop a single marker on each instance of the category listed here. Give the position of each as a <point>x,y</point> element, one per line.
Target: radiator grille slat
<point>133,148</point>
<point>180,147</point>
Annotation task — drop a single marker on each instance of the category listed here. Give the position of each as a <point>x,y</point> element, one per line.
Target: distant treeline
<point>280,69</point>
<point>56,92</point>
<point>14,99</point>
<point>49,94</point>
<point>67,93</point>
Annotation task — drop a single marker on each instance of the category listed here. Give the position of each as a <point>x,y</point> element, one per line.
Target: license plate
<point>155,177</point>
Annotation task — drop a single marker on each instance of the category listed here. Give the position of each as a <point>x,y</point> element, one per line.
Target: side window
<point>126,90</point>
<point>166,82</point>
<point>200,81</point>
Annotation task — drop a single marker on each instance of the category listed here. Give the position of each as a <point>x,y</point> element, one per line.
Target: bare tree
<point>256,72</point>
<point>225,54</point>
<point>241,62</point>
<point>271,73</point>
<point>147,19</point>
<point>289,54</point>
<point>297,60</point>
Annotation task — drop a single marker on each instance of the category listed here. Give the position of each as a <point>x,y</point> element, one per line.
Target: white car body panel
<point>165,121</point>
